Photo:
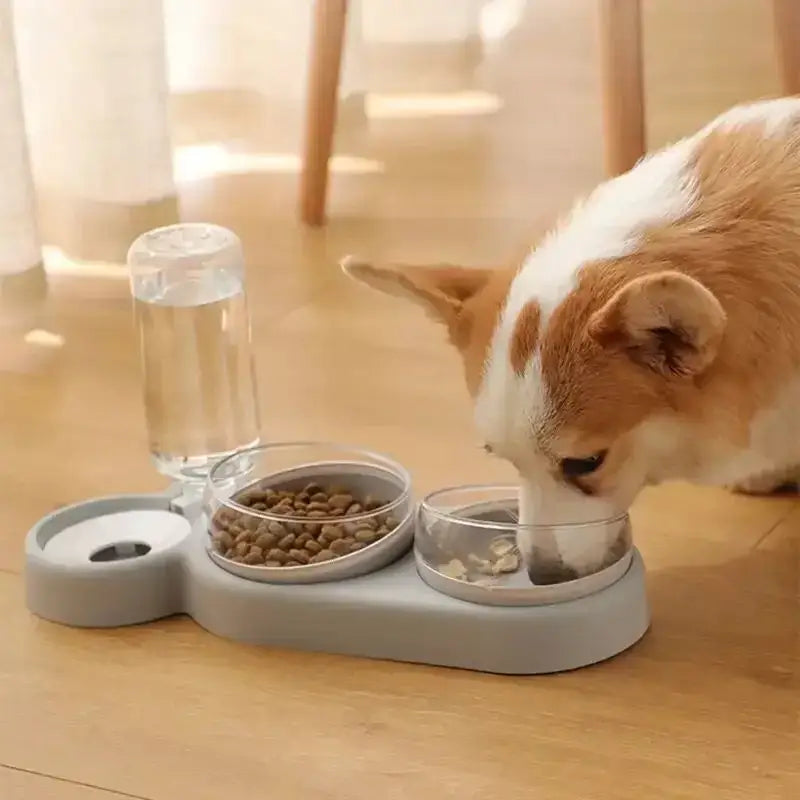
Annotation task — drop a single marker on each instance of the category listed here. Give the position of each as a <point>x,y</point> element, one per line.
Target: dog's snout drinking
<point>546,573</point>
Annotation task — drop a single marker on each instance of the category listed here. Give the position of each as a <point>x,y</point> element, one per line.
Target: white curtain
<point>85,86</point>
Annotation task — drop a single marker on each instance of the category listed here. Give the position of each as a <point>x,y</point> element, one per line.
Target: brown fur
<point>467,301</point>
<point>742,243</point>
<point>525,336</point>
<point>475,325</point>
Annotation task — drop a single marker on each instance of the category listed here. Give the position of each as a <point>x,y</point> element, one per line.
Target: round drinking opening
<point>120,551</point>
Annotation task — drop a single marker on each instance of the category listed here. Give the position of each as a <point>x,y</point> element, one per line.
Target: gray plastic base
<point>390,614</point>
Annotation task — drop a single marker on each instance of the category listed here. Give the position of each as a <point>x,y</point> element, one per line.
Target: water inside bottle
<point>199,383</point>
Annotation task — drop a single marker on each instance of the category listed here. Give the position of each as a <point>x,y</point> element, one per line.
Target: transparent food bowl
<point>470,545</point>
<point>268,520</point>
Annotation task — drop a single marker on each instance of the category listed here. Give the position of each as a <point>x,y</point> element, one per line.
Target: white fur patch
<point>775,115</point>
<point>607,224</point>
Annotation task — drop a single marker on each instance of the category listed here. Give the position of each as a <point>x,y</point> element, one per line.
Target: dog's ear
<point>668,322</point>
<point>441,290</point>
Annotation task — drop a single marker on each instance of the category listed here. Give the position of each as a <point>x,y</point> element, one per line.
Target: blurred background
<point>460,130</point>
<point>129,107</point>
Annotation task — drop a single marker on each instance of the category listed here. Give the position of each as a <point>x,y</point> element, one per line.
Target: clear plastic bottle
<point>200,394</point>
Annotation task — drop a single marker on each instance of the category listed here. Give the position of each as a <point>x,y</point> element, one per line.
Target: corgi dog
<point>652,335</point>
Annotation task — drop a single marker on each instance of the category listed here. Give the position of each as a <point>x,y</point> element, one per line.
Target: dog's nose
<point>546,573</point>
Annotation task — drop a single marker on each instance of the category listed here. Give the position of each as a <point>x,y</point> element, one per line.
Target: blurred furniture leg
<point>787,39</point>
<point>623,83</point>
<point>330,17</point>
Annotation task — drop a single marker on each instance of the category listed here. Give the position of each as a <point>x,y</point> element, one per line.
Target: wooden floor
<point>706,706</point>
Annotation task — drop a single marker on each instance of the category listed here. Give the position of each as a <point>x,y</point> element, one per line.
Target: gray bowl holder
<point>389,614</point>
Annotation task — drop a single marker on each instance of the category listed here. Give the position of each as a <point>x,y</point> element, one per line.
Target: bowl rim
<point>380,462</point>
<point>425,506</point>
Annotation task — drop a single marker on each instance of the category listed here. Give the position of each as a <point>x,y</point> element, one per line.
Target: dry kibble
<point>287,542</point>
<point>277,555</point>
<point>454,569</point>
<point>506,563</point>
<point>308,533</point>
<point>503,559</point>
<point>301,556</point>
<point>266,541</point>
<point>332,531</point>
<point>501,547</point>
<point>341,501</point>
<point>339,547</point>
<point>224,540</point>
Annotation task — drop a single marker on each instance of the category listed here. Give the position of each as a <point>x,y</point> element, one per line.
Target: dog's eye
<point>575,467</point>
<point>488,448</point>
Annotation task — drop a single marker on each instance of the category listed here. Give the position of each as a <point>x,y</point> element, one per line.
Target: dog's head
<point>650,336</point>
<point>590,390</point>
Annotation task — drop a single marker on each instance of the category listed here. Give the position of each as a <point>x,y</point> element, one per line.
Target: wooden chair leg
<point>622,83</point>
<point>330,17</point>
<point>786,14</point>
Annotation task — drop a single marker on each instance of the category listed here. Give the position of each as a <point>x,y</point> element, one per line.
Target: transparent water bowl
<point>470,545</point>
<point>265,525</point>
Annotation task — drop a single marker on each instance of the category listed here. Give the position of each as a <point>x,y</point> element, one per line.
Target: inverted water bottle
<point>191,312</point>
